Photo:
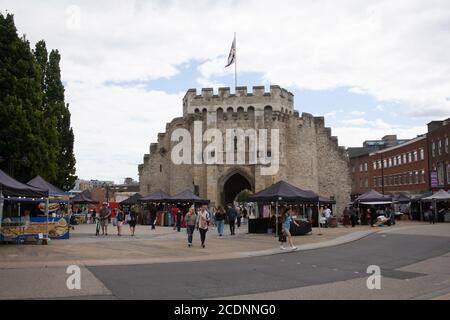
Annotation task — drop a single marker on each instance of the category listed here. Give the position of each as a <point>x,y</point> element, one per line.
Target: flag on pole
<point>232,55</point>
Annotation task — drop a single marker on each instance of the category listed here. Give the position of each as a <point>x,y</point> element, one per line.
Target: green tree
<point>54,98</point>
<point>20,107</point>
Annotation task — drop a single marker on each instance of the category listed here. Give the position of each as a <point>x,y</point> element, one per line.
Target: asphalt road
<point>212,279</point>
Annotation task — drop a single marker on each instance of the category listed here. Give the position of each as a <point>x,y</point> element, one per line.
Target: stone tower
<point>309,157</point>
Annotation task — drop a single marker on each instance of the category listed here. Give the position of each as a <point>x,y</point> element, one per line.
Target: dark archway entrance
<point>235,184</point>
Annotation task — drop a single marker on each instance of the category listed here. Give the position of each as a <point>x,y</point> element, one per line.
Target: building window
<point>390,162</point>
<point>433,149</point>
<point>379,164</point>
<point>440,170</point>
<point>384,163</point>
<point>446,145</point>
<point>394,161</point>
<point>365,166</point>
<point>404,158</point>
<point>409,157</point>
<point>374,165</point>
<point>416,177</point>
<point>366,182</point>
<point>422,154</point>
<point>360,167</point>
<point>415,156</point>
<point>411,181</point>
<point>422,176</point>
<point>399,160</point>
<point>440,147</point>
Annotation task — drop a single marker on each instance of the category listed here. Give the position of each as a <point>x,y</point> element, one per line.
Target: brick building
<point>359,162</point>
<point>439,154</point>
<point>400,169</point>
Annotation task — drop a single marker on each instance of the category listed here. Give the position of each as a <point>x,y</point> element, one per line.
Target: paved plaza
<point>157,264</point>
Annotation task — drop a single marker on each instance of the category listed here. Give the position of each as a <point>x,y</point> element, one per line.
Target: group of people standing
<point>203,219</point>
<point>104,214</point>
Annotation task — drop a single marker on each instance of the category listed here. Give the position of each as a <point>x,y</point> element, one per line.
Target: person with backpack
<point>231,215</point>
<point>120,217</point>
<point>132,220</point>
<point>119,221</point>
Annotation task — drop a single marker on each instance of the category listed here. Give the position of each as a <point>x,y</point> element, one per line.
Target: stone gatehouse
<point>309,156</point>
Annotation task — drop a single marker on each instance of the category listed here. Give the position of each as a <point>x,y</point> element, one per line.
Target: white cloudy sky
<point>370,67</point>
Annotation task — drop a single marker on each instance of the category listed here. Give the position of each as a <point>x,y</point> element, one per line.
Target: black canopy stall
<point>285,192</point>
<point>14,191</point>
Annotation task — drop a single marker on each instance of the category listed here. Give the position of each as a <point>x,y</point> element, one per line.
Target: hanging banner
<point>58,228</point>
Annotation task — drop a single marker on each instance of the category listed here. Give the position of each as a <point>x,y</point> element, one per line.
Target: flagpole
<point>235,61</point>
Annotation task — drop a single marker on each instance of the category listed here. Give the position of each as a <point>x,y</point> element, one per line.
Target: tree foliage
<point>36,137</point>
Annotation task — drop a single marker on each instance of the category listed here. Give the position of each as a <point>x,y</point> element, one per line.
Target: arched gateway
<point>233,183</point>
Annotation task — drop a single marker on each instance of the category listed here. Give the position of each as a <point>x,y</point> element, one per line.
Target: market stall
<point>183,201</point>
<point>58,219</point>
<point>276,195</point>
<point>83,200</point>
<point>372,199</point>
<point>438,198</point>
<point>16,203</point>
<point>159,200</point>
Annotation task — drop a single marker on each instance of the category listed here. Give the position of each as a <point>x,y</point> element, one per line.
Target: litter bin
<point>332,223</point>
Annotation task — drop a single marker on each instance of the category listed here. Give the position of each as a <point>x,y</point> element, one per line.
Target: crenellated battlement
<point>278,98</point>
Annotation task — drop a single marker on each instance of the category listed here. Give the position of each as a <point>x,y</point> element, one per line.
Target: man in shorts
<point>104,216</point>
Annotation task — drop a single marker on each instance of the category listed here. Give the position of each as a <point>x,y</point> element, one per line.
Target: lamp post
<point>382,173</point>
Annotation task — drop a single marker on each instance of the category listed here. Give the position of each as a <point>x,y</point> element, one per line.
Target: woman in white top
<point>203,219</point>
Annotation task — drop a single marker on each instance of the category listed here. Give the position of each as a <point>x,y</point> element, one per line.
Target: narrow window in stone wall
<point>160,168</point>
<point>448,172</point>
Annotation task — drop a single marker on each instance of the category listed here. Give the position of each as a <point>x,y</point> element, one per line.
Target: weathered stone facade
<point>310,157</point>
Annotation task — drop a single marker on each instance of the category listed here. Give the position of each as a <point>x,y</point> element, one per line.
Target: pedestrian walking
<point>132,220</point>
<point>354,216</point>
<point>286,227</point>
<point>238,217</point>
<point>231,215</point>
<point>203,220</point>
<point>120,217</point>
<point>191,221</point>
<point>370,216</point>
<point>105,213</point>
<point>391,215</point>
<point>220,217</point>
<point>431,216</point>
<point>153,212</point>
<point>347,215</point>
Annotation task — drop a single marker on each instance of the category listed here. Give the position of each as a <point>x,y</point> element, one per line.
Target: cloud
<point>114,126</point>
<point>355,122</point>
<point>357,113</point>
